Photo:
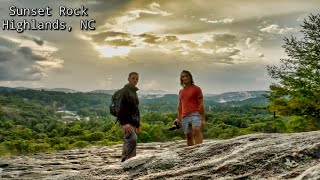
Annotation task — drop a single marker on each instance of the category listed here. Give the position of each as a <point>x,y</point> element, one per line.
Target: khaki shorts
<point>190,121</point>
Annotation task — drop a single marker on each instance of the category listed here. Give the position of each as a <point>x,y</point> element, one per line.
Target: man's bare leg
<point>190,141</point>
<point>197,135</point>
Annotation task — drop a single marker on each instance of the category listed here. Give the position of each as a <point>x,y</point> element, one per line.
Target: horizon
<point>225,50</point>
<point>164,92</point>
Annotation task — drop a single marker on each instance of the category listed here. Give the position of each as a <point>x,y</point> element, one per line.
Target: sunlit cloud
<point>126,22</point>
<point>140,28</point>
<point>224,21</point>
<point>107,51</point>
<point>275,29</point>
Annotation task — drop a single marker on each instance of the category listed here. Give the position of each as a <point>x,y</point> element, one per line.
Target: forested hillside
<point>30,120</point>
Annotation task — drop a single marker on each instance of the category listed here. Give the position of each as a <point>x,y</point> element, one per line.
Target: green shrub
<point>80,144</point>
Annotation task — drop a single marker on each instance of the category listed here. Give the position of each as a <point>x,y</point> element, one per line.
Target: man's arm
<point>179,112</point>
<point>201,104</point>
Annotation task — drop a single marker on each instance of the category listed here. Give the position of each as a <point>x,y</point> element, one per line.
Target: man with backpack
<point>125,106</point>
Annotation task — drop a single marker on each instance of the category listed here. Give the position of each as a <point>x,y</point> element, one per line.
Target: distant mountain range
<point>141,92</point>
<point>236,96</point>
<point>159,96</point>
<point>104,91</point>
<point>244,97</point>
<point>66,90</point>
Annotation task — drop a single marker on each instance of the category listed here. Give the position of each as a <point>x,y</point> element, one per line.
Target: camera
<point>175,126</point>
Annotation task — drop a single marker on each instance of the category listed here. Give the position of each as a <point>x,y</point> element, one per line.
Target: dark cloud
<point>19,72</point>
<point>170,38</point>
<point>38,41</point>
<point>6,52</point>
<point>28,54</point>
<point>127,39</point>
<point>114,33</point>
<point>5,55</point>
<point>151,39</point>
<point>122,38</point>
<point>119,42</point>
<point>104,35</point>
<point>22,63</point>
<point>221,40</point>
<point>5,43</point>
<point>100,38</point>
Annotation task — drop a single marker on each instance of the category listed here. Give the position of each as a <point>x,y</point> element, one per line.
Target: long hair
<point>189,74</point>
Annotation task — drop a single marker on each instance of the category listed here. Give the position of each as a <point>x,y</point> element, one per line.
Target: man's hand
<point>127,128</point>
<point>177,120</point>
<point>139,129</point>
<point>203,121</point>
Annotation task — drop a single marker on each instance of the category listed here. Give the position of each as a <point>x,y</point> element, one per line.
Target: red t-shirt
<point>189,97</point>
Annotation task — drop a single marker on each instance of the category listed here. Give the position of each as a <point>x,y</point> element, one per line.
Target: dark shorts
<point>190,121</point>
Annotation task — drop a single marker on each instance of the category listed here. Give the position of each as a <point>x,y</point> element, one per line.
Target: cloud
<point>37,40</point>
<point>102,36</point>
<point>275,29</point>
<point>189,44</point>
<point>230,37</point>
<point>175,38</point>
<point>105,83</point>
<point>127,39</point>
<point>109,51</point>
<point>24,59</point>
<point>28,54</point>
<point>221,40</point>
<point>150,85</point>
<point>170,38</point>
<point>224,21</point>
<point>5,55</point>
<point>134,14</point>
<point>115,34</point>
<point>253,42</point>
<point>119,42</point>
<point>151,39</point>
<point>212,48</point>
<point>220,55</point>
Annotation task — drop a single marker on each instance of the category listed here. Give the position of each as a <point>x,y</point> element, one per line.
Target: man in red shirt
<point>190,109</point>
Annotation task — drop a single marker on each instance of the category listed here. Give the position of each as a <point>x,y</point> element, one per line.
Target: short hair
<point>133,73</point>
<point>189,74</point>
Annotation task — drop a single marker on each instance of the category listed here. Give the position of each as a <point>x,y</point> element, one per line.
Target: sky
<point>226,45</point>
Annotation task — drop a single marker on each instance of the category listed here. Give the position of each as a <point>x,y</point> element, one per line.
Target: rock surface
<point>255,156</point>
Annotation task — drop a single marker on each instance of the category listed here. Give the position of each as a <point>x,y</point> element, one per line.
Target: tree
<point>298,88</point>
